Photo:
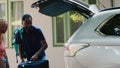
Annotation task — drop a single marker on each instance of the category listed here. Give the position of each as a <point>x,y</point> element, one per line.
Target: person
<point>3,56</point>
<point>32,42</point>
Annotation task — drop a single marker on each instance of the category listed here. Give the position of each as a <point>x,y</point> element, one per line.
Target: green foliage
<point>76,17</point>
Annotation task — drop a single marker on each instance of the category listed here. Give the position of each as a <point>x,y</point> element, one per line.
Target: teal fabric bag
<point>15,45</point>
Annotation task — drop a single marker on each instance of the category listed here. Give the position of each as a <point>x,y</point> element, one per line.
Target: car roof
<point>113,8</point>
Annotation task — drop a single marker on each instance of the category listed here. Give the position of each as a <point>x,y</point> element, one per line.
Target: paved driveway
<point>12,57</point>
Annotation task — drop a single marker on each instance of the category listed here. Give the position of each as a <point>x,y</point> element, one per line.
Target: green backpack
<point>15,45</point>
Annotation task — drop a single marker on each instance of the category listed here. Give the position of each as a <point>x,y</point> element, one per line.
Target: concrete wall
<point>117,3</point>
<point>54,54</point>
<point>106,4</point>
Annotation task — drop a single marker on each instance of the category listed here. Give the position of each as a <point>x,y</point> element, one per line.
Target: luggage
<point>34,64</point>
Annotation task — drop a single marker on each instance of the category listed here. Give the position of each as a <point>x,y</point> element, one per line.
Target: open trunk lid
<point>56,7</point>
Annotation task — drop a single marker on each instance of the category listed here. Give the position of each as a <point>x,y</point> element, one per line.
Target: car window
<point>112,27</point>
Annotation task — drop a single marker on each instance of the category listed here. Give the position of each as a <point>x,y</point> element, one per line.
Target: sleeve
<point>41,36</point>
<point>17,37</point>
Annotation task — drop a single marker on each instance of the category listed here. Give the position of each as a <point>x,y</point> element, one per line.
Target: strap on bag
<point>20,33</point>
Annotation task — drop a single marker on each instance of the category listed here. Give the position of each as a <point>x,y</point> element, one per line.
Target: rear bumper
<point>71,62</point>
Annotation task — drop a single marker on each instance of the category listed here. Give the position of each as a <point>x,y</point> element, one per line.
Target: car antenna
<point>101,4</point>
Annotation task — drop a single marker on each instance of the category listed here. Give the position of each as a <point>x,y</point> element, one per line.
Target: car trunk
<point>56,7</point>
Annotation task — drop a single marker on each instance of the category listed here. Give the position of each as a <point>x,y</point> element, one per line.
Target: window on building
<point>3,10</point>
<point>16,12</point>
<point>64,26</point>
<point>11,11</point>
<point>92,1</point>
<point>89,1</point>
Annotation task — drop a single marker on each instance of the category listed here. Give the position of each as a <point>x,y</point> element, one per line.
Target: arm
<point>42,49</point>
<point>18,41</point>
<point>20,53</point>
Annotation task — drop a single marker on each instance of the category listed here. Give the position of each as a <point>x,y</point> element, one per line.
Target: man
<point>33,41</point>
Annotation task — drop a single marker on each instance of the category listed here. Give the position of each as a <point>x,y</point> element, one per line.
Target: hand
<point>22,60</point>
<point>34,57</point>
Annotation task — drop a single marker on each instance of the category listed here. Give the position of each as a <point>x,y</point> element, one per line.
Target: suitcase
<point>34,64</point>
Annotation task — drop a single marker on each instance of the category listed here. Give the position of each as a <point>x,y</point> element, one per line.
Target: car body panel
<point>104,50</point>
<point>99,57</point>
<point>90,26</point>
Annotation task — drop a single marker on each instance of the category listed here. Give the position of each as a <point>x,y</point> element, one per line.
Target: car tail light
<point>70,49</point>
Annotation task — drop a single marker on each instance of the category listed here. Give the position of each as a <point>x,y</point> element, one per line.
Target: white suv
<point>96,44</point>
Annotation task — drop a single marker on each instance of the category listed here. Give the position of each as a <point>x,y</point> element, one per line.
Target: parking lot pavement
<point>12,57</point>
